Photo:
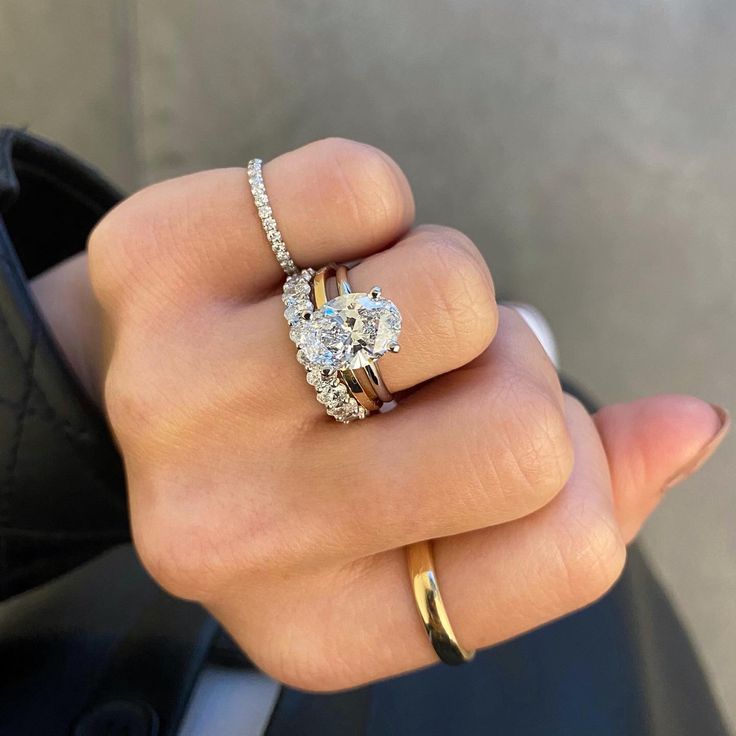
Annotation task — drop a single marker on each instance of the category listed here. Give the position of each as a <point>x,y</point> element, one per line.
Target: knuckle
<point>179,568</point>
<point>370,187</point>
<point>135,409</point>
<point>539,445</point>
<point>304,655</point>
<point>160,556</point>
<point>138,244</point>
<point>108,256</point>
<point>198,545</point>
<point>466,313</point>
<point>157,542</point>
<point>592,553</point>
<point>188,557</point>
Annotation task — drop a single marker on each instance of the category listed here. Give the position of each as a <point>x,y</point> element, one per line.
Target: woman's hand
<point>290,527</point>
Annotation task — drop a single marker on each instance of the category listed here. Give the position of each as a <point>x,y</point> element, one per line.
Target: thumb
<point>653,444</point>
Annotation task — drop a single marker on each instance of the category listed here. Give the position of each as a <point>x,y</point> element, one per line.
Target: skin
<point>289,527</point>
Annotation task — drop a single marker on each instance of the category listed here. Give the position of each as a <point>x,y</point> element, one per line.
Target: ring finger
<point>479,446</point>
<point>440,283</point>
<point>496,583</point>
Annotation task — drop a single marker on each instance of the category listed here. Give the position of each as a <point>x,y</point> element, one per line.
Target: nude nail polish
<point>705,452</point>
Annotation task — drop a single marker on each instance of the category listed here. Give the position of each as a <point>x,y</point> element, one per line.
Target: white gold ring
<point>258,190</point>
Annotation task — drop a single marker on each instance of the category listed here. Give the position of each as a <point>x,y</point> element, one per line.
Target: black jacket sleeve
<point>62,492</point>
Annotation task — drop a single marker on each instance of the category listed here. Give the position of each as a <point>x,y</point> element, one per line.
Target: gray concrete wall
<point>589,148</point>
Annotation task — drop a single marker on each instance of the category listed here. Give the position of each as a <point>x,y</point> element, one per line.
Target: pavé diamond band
<point>258,190</point>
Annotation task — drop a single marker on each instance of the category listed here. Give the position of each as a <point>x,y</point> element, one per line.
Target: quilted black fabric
<point>62,496</point>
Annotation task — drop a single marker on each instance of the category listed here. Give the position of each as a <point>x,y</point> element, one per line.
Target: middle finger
<point>443,289</point>
<point>478,447</point>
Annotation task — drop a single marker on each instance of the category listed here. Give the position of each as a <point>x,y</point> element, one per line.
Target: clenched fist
<point>289,526</point>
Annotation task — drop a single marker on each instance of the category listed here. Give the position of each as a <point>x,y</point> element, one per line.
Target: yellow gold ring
<point>431,607</point>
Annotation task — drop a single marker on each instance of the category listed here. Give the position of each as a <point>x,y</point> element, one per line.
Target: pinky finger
<point>361,624</point>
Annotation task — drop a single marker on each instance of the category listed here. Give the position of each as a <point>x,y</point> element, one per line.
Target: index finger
<point>333,200</point>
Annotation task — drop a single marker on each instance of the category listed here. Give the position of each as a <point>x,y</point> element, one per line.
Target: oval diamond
<point>350,330</point>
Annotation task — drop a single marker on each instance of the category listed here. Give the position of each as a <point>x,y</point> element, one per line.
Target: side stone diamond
<point>325,342</point>
<point>333,395</point>
<point>316,378</point>
<point>296,287</point>
<point>295,309</point>
<point>347,410</point>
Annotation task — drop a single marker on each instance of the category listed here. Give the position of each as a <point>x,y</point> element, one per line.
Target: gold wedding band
<point>431,607</point>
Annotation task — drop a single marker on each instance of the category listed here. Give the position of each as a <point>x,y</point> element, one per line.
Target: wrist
<point>66,301</point>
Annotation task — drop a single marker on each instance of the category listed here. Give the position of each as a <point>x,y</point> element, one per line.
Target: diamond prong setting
<point>347,332</point>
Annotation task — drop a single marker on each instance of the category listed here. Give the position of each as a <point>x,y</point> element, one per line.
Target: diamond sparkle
<point>349,330</point>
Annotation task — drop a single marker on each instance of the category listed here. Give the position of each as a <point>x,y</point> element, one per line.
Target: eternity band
<point>265,213</point>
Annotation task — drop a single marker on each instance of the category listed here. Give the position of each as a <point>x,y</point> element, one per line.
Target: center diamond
<point>349,330</point>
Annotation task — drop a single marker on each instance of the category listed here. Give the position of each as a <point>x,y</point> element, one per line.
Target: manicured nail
<point>705,452</point>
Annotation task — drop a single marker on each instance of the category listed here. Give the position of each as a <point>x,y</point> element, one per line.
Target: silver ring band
<point>265,213</point>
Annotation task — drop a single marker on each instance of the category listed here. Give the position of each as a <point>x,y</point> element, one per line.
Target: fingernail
<point>705,452</point>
